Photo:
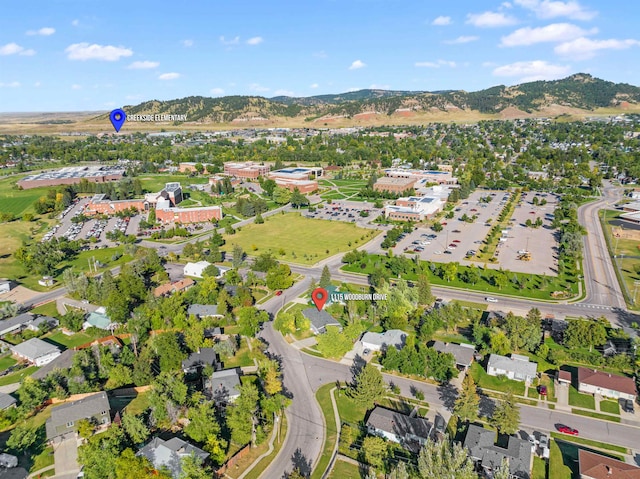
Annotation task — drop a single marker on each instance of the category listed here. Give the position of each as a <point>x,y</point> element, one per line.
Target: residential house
<point>463,353</point>
<point>17,323</point>
<point>99,319</point>
<point>397,427</point>
<point>204,311</point>
<point>222,387</point>
<point>597,466</point>
<point>8,461</point>
<point>480,444</point>
<point>64,361</point>
<point>169,454</point>
<point>199,360</point>
<point>515,367</point>
<point>35,324</point>
<point>65,418</point>
<point>319,320</point>
<point>7,401</point>
<point>381,341</point>
<point>36,351</point>
<point>5,286</point>
<point>170,288</point>
<point>196,269</point>
<point>592,381</point>
<point>14,473</point>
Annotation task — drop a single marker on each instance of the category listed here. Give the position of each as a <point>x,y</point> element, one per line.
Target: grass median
<point>323,396</point>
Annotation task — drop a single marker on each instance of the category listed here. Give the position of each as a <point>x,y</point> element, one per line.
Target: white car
<point>491,299</point>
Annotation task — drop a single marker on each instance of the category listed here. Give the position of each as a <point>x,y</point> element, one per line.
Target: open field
<point>294,238</point>
<point>155,182</point>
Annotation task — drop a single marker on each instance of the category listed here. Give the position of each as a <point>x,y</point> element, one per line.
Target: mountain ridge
<point>579,91</point>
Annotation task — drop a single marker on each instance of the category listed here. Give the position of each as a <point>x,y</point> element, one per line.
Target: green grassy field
<point>302,240</point>
<point>6,362</point>
<point>558,467</point>
<point>596,415</point>
<point>154,182</point>
<point>611,407</point>
<point>578,399</point>
<point>349,411</point>
<point>47,309</point>
<point>324,399</point>
<point>539,468</point>
<point>76,339</point>
<point>344,470</point>
<point>18,201</point>
<point>18,376</point>
<point>589,442</point>
<point>495,383</point>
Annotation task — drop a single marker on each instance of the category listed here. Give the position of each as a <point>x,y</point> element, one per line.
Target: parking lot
<point>460,240</point>
<point>349,211</point>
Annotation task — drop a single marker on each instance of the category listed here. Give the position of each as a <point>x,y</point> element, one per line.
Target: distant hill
<point>580,91</point>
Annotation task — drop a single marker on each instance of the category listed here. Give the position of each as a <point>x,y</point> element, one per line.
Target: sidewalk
<point>305,343</point>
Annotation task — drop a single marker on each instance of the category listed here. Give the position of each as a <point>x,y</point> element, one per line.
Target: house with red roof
<point>597,466</point>
<point>592,381</point>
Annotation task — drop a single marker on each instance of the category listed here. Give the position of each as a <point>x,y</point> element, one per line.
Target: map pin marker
<point>319,297</point>
<point>117,118</point>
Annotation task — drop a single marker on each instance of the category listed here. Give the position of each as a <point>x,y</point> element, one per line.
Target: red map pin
<point>319,297</point>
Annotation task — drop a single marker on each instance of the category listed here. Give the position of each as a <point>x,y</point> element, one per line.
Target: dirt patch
<point>369,115</point>
<point>404,113</point>
<point>511,112</point>
<point>19,294</point>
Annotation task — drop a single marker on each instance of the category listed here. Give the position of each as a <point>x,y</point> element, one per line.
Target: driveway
<point>65,457</point>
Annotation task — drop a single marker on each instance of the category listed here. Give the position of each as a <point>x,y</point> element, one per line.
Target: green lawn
<point>44,459</point>
<point>18,376</point>
<point>6,362</point>
<point>581,400</point>
<point>153,183</point>
<point>18,201</point>
<point>559,468</point>
<point>139,404</point>
<point>241,358</point>
<point>349,411</point>
<point>77,339</point>
<point>47,309</point>
<point>495,383</point>
<point>589,442</point>
<point>302,240</point>
<point>539,468</point>
<point>612,407</point>
<point>324,400</point>
<point>344,470</point>
<point>595,415</point>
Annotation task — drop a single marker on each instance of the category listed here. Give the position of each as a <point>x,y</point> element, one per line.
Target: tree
<point>281,195</point>
<point>135,428</point>
<point>450,270</point>
<point>500,343</point>
<point>585,332</point>
<point>506,416</point>
<point>85,428</point>
<point>368,386</point>
<point>468,402</point>
<point>22,437</point>
<point>500,279</point>
<point>333,343</point>
<point>270,374</point>
<point>31,393</point>
<point>325,277</point>
<point>437,227</point>
<point>374,450</point>
<point>298,199</point>
<point>202,424</point>
<point>192,468</point>
<point>399,472</point>
<point>269,186</point>
<point>259,219</point>
<point>238,256</point>
<point>72,320</point>
<point>445,459</point>
<point>168,351</point>
<point>242,414</point>
<point>285,323</point>
<point>211,271</point>
<point>128,465</point>
<point>250,319</point>
<point>279,277</point>
<point>524,333</point>
<point>424,290</point>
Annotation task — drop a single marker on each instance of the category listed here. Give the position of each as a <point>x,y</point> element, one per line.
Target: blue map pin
<point>117,117</point>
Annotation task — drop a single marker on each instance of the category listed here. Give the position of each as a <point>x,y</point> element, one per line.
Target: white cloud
<point>257,87</point>
<point>552,9</point>
<point>44,31</point>
<point>441,21</point>
<point>169,76</point>
<point>37,84</point>
<point>217,91</point>
<point>462,39</point>
<point>75,22</point>
<point>506,5</point>
<point>314,85</point>
<point>143,65</point>
<point>233,41</point>
<point>376,86</point>
<point>15,49</point>
<point>107,53</point>
<point>353,88</point>
<point>437,64</point>
<point>187,43</point>
<point>556,32</point>
<point>357,65</point>
<point>490,19</point>
<point>283,92</point>
<point>532,71</point>
<point>13,84</point>
<point>75,86</point>
<point>255,41</point>
<point>320,54</point>
<point>489,64</point>
<point>583,48</point>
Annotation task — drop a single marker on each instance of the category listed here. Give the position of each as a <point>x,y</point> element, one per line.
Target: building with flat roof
<point>246,169</point>
<point>394,185</point>
<point>414,208</point>
<point>303,186</point>
<point>297,173</point>
<point>200,214</point>
<point>430,176</point>
<point>170,195</point>
<point>72,175</point>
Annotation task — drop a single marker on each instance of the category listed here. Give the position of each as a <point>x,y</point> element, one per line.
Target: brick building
<point>72,175</point>
<point>394,185</point>
<point>189,215</point>
<point>304,186</point>
<point>246,169</point>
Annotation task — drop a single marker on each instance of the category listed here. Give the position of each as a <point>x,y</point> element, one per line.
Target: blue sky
<point>70,55</point>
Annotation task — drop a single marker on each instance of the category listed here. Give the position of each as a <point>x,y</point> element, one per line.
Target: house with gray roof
<point>516,367</point>
<point>319,320</point>
<point>16,323</point>
<point>222,386</point>
<point>64,361</point>
<point>463,353</point>
<point>204,311</point>
<point>381,341</point>
<point>65,418</point>
<point>7,401</point>
<point>36,351</point>
<point>480,443</point>
<point>201,358</point>
<point>398,427</point>
<point>169,454</point>
<point>34,324</point>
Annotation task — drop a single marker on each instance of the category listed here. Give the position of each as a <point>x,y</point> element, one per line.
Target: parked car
<point>627,405</point>
<point>542,390</point>
<point>567,430</point>
<point>278,293</point>
<point>491,299</point>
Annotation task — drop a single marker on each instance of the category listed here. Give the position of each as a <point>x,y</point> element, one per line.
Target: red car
<point>568,430</point>
<point>542,390</point>
<point>456,241</point>
<point>278,293</point>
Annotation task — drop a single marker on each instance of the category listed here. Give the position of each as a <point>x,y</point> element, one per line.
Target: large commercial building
<point>297,173</point>
<point>72,175</point>
<point>414,208</point>
<point>429,176</point>
<point>189,215</point>
<point>303,186</point>
<point>170,195</point>
<point>247,170</point>
<point>394,185</point>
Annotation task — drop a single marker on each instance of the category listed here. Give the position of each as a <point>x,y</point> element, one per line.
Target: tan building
<point>189,215</point>
<point>99,205</point>
<point>247,169</point>
<point>394,185</point>
<point>72,175</point>
<point>303,186</point>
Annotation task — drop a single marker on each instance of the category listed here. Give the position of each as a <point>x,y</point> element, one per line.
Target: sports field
<point>17,201</point>
<point>291,237</point>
